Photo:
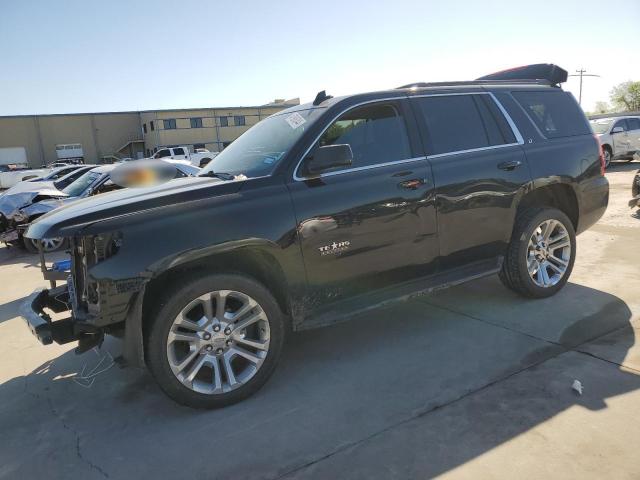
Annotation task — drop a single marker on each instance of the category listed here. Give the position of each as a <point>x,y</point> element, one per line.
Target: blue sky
<point>83,55</point>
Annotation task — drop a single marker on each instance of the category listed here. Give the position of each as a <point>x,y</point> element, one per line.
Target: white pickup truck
<point>200,158</point>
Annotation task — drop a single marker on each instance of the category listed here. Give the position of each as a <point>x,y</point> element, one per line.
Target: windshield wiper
<point>220,175</point>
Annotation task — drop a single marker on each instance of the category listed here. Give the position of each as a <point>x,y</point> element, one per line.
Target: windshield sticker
<point>295,120</point>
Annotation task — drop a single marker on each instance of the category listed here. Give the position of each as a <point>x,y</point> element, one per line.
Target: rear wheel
<point>541,254</point>
<point>215,341</point>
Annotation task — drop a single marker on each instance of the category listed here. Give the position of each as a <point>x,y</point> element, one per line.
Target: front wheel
<point>215,341</point>
<point>606,151</point>
<point>541,253</point>
<point>48,244</point>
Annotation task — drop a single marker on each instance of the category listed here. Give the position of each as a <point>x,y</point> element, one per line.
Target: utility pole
<point>582,73</point>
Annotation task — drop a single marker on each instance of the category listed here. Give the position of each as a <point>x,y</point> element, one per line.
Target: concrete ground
<point>474,382</point>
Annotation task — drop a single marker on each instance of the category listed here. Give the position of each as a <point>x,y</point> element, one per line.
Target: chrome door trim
<point>512,125</point>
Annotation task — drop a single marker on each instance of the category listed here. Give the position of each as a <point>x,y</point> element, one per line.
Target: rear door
<point>370,225</point>
<point>634,133</point>
<point>479,169</point>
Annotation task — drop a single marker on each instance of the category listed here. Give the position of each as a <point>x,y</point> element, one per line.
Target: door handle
<point>412,184</point>
<point>511,165</point>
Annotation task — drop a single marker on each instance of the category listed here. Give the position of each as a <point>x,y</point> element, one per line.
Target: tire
<point>204,162</point>
<point>522,255</point>
<point>51,245</point>
<point>608,155</point>
<point>211,385</point>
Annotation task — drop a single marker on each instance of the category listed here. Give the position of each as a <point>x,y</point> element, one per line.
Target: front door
<point>479,169</point>
<point>370,225</point>
<point>621,144</point>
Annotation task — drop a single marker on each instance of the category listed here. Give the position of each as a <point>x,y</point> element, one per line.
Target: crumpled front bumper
<point>62,331</point>
<point>39,322</point>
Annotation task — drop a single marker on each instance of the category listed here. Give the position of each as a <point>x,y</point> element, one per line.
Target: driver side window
<point>376,134</point>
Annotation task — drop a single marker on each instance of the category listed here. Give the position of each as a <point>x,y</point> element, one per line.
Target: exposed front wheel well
<point>560,196</point>
<point>255,264</point>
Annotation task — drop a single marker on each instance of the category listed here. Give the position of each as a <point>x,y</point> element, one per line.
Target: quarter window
<point>196,123</point>
<point>169,124</point>
<point>555,113</point>
<point>376,133</point>
<point>178,151</point>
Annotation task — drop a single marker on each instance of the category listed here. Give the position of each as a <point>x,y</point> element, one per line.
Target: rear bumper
<point>594,202</point>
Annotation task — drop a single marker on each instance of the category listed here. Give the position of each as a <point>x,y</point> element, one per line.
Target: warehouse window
<point>170,124</point>
<point>144,127</point>
<point>239,120</point>
<point>196,123</point>
<point>224,122</point>
<point>151,125</point>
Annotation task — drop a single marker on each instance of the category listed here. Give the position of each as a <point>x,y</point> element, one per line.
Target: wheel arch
<point>255,263</point>
<point>558,195</point>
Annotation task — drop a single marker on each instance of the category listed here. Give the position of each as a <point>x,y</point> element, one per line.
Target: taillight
<point>600,155</point>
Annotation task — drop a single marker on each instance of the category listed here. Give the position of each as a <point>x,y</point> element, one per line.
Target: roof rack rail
<point>540,74</point>
<point>474,82</point>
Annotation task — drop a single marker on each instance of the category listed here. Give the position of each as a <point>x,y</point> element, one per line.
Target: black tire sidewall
<point>175,301</point>
<point>532,289</point>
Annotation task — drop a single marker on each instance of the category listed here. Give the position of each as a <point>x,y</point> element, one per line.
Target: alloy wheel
<point>48,244</point>
<point>548,253</point>
<point>218,342</point>
<point>607,157</point>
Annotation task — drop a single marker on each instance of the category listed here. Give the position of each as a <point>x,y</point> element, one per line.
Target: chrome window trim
<point>470,150</point>
<point>512,125</point>
<point>302,179</point>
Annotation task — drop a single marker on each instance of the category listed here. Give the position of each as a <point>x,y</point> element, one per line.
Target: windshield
<point>259,150</point>
<point>80,185</point>
<point>601,126</point>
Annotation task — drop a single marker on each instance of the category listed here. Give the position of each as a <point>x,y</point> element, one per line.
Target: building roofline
<point>284,104</point>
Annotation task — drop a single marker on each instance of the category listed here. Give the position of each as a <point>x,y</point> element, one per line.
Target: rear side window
<point>178,151</point>
<point>376,133</point>
<point>463,122</point>
<point>554,112</point>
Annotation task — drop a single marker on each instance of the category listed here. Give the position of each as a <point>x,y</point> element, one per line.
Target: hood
<point>75,215</point>
<point>26,193</point>
<point>45,206</point>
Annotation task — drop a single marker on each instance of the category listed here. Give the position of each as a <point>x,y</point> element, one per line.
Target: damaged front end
<point>89,307</point>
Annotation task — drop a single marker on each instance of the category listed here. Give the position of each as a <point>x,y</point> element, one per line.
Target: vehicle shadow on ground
<point>623,166</point>
<point>336,390</point>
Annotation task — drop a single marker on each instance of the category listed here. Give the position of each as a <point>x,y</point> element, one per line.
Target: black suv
<point>322,211</point>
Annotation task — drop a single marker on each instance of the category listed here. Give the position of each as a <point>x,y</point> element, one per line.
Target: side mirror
<point>329,157</point>
<point>617,130</point>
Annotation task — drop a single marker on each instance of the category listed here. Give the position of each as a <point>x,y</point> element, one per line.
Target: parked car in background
<point>619,136</point>
<point>93,181</point>
<point>325,211</point>
<point>58,172</point>
<point>200,158</point>
<point>11,175</point>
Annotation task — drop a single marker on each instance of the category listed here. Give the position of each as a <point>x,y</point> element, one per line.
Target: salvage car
<point>619,136</point>
<point>94,181</point>
<point>321,212</point>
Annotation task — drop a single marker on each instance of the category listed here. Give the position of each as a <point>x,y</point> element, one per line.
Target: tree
<point>626,96</point>
<point>601,107</point>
